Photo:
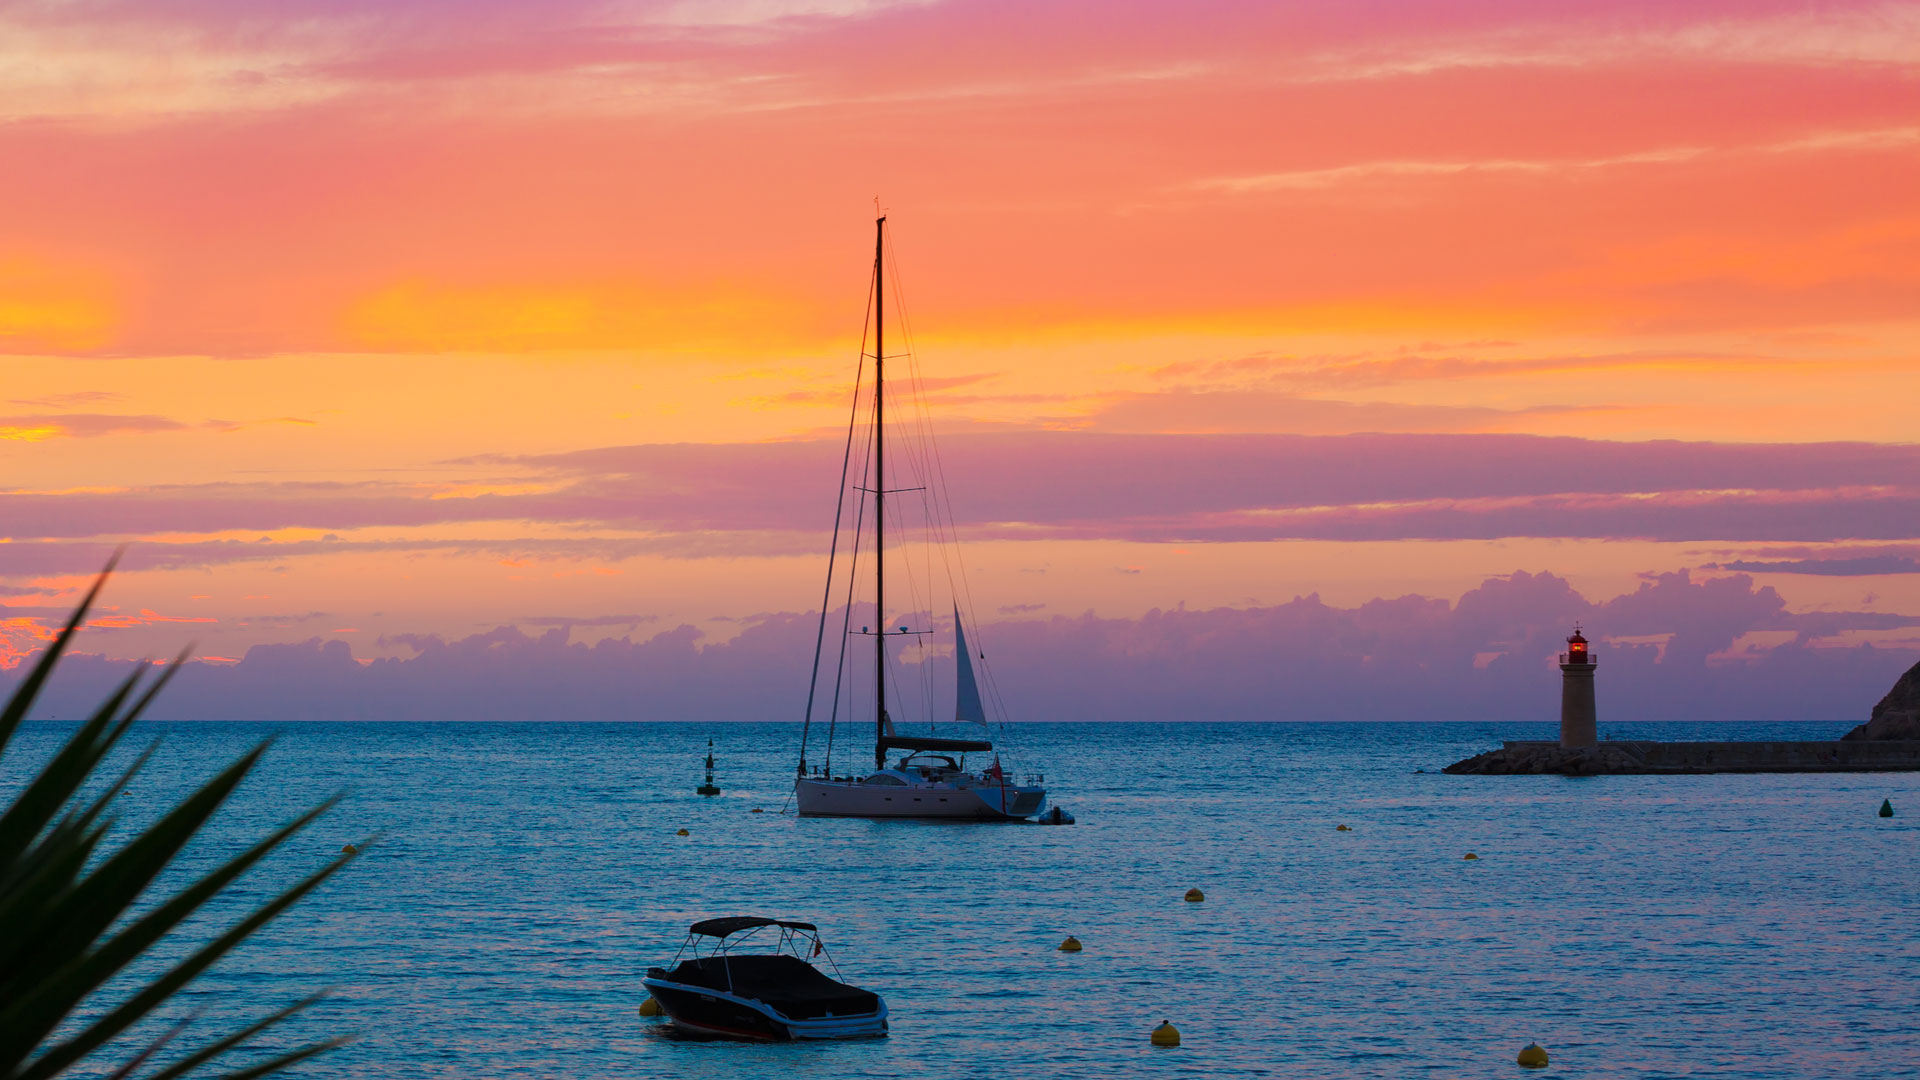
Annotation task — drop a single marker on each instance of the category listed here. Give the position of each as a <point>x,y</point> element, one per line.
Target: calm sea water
<point>1733,926</point>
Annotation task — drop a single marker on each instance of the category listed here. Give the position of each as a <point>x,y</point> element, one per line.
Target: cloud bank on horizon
<point>411,321</point>
<point>1679,650</point>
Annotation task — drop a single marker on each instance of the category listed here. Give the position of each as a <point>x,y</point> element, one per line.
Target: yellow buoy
<point>1194,896</point>
<point>1470,856</point>
<point>1343,828</point>
<point>1532,1056</point>
<point>1166,1034</point>
<point>1072,944</point>
<point>349,849</point>
<point>683,832</point>
<point>650,1007</point>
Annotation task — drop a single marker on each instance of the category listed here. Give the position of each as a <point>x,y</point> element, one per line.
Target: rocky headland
<point>1896,717</point>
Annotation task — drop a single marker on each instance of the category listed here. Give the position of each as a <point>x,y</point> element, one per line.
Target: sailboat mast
<point>879,494</point>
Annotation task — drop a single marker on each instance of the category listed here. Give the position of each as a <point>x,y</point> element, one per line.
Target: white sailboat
<point>930,778</point>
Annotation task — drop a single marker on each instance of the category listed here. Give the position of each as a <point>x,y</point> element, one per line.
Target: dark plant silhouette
<point>68,922</point>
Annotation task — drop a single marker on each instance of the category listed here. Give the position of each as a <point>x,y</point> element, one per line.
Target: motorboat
<point>747,977</point>
<point>930,778</point>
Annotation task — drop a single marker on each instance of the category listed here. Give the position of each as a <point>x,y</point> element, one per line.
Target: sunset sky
<point>406,321</point>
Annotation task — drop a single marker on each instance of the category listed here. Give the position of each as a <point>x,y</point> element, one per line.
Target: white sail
<point>967,708</point>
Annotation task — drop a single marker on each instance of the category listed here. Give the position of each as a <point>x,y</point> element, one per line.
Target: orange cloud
<point>423,316</point>
<point>46,305</point>
<point>80,426</point>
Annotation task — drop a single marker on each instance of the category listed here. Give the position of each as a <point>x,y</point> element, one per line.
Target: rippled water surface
<point>1733,926</point>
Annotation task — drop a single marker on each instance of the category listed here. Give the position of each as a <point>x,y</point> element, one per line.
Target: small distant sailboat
<point>930,778</point>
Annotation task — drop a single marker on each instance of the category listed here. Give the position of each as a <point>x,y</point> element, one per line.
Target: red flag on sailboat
<point>994,770</point>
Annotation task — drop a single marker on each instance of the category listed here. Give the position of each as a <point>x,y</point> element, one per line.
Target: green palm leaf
<point>68,922</point>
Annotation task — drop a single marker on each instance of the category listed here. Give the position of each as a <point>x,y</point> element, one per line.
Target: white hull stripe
<point>830,1027</point>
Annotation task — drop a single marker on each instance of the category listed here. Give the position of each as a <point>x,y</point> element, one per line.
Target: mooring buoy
<point>1533,1056</point>
<point>1166,1034</point>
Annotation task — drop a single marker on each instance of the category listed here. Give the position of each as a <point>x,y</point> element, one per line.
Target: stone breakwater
<point>1679,758</point>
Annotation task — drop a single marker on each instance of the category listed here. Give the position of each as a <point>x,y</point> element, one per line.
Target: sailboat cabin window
<point>883,778</point>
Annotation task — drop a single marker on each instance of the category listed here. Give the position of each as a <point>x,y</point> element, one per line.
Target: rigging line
<point>926,672</point>
<point>964,587</point>
<point>917,584</point>
<point>940,535</point>
<point>833,546</point>
<point>936,467</point>
<point>940,527</point>
<point>943,496</point>
<point>907,551</point>
<point>993,689</point>
<point>839,505</point>
<point>910,612</point>
<point>919,604</point>
<point>843,668</point>
<point>943,534</point>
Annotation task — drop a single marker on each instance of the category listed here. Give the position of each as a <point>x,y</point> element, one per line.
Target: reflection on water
<point>1738,926</point>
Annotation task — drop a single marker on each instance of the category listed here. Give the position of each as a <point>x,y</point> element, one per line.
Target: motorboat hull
<point>711,1013</point>
<point>850,798</point>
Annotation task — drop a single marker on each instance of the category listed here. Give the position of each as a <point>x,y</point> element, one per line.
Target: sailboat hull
<point>851,798</point>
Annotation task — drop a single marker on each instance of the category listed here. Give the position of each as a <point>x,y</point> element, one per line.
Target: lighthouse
<point>1576,693</point>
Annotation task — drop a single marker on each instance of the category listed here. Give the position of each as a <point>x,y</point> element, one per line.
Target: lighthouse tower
<point>1577,723</point>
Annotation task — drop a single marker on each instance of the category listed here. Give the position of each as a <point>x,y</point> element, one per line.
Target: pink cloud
<point>776,497</point>
<point>1098,129</point>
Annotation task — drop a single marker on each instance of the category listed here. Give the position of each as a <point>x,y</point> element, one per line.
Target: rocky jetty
<point>1540,757</point>
<point>1681,758</point>
<point>1897,716</point>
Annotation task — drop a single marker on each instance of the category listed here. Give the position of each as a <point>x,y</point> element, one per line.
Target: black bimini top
<point>733,924</point>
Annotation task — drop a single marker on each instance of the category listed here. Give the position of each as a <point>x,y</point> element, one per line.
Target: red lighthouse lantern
<point>1576,649</point>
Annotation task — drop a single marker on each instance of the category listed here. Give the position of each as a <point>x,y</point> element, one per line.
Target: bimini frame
<point>723,936</point>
